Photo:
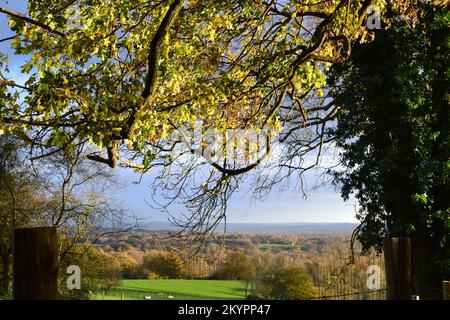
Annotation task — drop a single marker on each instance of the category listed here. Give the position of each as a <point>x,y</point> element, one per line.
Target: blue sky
<point>323,205</point>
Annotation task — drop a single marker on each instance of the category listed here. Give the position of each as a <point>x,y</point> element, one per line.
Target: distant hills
<point>280,228</point>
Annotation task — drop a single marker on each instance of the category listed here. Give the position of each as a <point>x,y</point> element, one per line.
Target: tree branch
<point>111,161</point>
<point>153,57</point>
<point>32,21</point>
<point>155,46</point>
<point>235,172</point>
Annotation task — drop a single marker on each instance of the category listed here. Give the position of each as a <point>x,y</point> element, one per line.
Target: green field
<point>175,289</point>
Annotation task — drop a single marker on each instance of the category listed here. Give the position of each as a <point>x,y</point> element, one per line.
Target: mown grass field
<point>175,289</point>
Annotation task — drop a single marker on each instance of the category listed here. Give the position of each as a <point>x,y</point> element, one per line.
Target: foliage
<point>328,263</point>
<point>134,71</point>
<point>131,262</point>
<point>100,271</point>
<point>237,266</point>
<point>165,265</point>
<point>289,284</point>
<point>128,75</point>
<point>50,192</point>
<point>21,202</point>
<point>394,135</point>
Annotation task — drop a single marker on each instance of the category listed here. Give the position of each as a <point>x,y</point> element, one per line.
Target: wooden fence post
<point>397,255</point>
<point>35,270</point>
<point>446,290</point>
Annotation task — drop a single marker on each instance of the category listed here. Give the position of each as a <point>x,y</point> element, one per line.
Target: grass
<point>178,289</point>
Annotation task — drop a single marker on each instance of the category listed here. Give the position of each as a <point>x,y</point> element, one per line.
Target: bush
<point>238,266</point>
<point>99,271</point>
<point>289,284</point>
<point>164,265</point>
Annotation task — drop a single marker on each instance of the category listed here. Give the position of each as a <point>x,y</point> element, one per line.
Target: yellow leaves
<point>166,40</point>
<point>212,35</point>
<point>217,64</point>
<point>227,23</point>
<point>211,112</point>
<point>163,134</point>
<point>138,167</point>
<point>278,125</point>
<point>12,23</point>
<point>184,115</point>
<point>129,145</point>
<point>320,92</point>
<point>49,63</point>
<point>15,42</point>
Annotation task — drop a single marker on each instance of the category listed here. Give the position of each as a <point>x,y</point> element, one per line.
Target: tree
<point>131,266</point>
<point>237,266</point>
<point>100,271</point>
<point>165,265</point>
<point>20,203</point>
<point>289,284</point>
<point>132,72</point>
<point>135,72</point>
<point>55,191</point>
<point>393,131</point>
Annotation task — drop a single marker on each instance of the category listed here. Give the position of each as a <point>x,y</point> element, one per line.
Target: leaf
<point>12,23</point>
<point>26,68</point>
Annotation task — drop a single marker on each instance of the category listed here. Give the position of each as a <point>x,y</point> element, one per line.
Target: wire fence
<point>346,278</point>
<point>124,294</point>
<point>379,294</point>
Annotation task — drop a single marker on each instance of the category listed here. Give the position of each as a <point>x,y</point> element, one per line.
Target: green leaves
<point>394,135</point>
<point>26,68</point>
<point>223,62</point>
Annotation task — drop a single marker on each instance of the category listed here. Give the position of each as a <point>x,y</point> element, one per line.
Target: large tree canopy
<point>124,74</point>
<point>393,132</point>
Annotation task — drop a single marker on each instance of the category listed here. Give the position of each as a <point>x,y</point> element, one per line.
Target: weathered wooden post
<point>446,290</point>
<point>397,255</point>
<point>35,272</point>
